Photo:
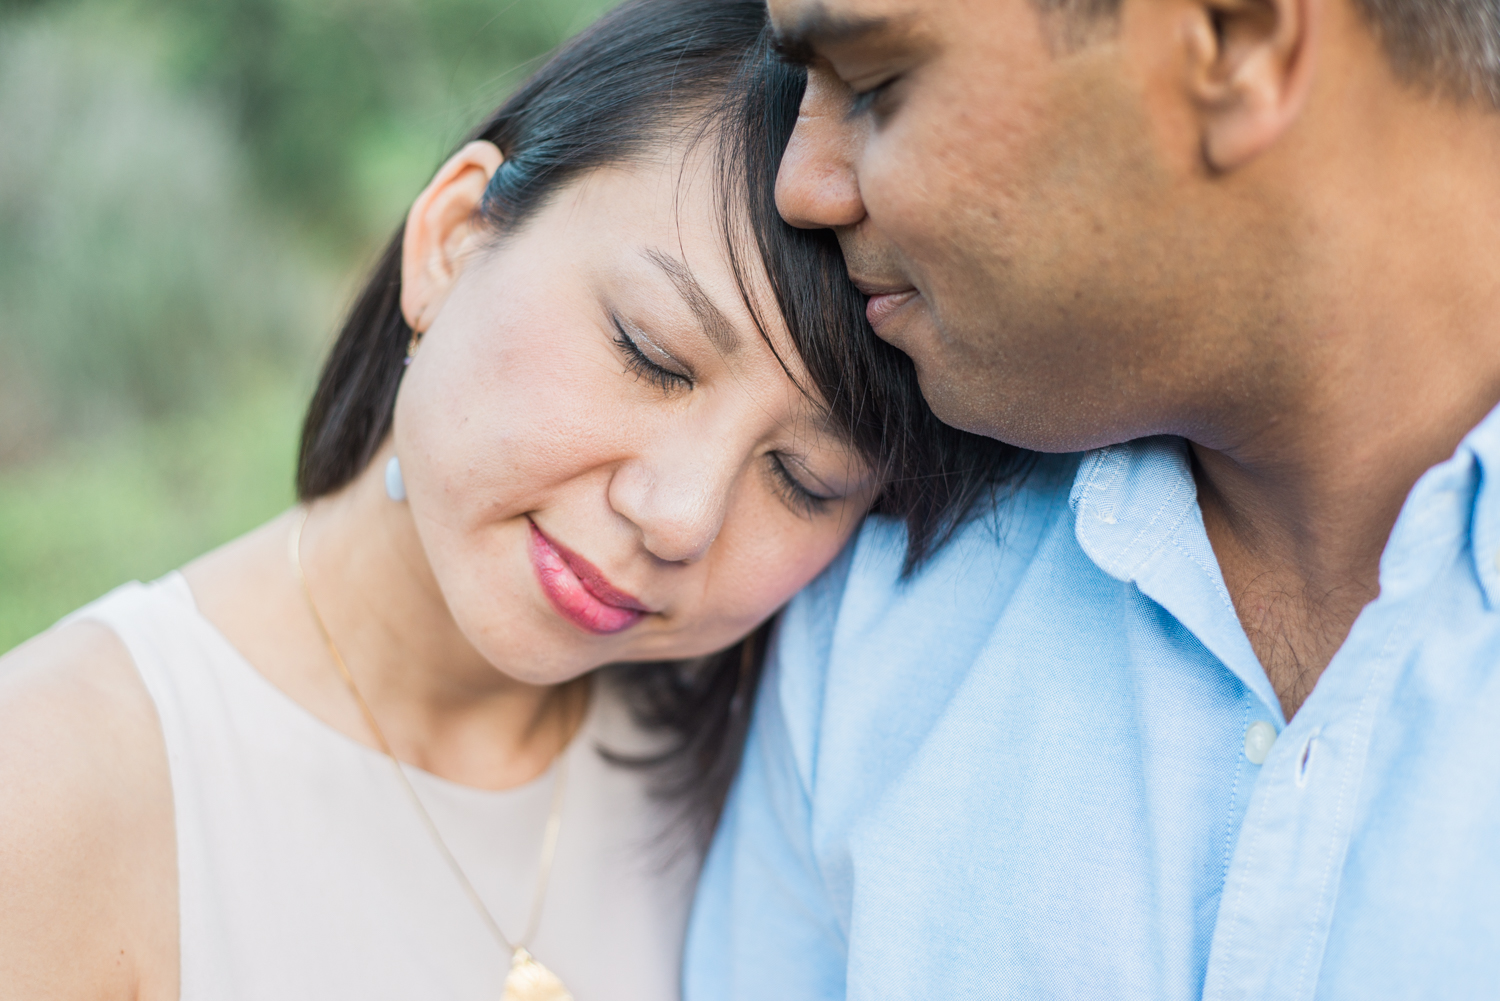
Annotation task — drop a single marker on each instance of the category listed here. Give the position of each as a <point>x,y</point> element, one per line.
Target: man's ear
<point>440,229</point>
<point>1249,70</point>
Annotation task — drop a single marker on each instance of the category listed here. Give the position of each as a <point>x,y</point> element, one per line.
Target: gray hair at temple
<point>1452,46</point>
<point>1448,47</point>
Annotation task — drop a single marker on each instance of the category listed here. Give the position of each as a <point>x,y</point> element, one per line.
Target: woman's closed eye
<point>792,491</point>
<point>788,485</point>
<point>644,366</point>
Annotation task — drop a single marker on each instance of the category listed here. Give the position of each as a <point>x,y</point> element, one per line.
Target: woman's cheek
<point>495,461</point>
<point>780,572</point>
<point>783,570</point>
<point>810,559</point>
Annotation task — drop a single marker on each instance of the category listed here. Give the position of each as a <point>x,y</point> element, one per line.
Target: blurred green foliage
<point>138,275</point>
<point>137,502</point>
<point>340,106</point>
<point>188,189</point>
<point>344,102</point>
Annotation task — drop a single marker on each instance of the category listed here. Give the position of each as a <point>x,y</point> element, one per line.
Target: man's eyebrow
<point>715,324</point>
<point>820,27</point>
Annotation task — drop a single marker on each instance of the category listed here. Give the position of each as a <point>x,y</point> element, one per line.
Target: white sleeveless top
<point>304,872</point>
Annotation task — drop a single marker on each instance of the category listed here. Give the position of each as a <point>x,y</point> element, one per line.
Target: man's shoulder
<point>966,577</point>
<point>869,635</point>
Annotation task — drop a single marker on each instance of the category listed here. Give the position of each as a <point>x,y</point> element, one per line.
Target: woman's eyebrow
<point>722,333</point>
<point>715,324</point>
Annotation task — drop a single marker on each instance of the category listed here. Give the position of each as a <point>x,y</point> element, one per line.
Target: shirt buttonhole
<point>1304,760</point>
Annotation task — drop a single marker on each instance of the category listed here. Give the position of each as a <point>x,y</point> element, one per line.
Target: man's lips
<point>579,591</point>
<point>883,303</point>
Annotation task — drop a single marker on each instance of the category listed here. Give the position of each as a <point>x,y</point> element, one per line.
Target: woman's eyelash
<point>793,493</point>
<point>635,359</point>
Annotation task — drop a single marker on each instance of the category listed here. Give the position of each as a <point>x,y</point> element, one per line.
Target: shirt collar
<point>1129,499</point>
<point>1484,441</point>
<point>1454,502</point>
<point>1136,516</point>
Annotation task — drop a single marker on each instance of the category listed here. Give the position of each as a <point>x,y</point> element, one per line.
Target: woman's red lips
<point>579,591</point>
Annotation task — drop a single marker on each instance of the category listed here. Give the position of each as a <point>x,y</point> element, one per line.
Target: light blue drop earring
<point>395,486</point>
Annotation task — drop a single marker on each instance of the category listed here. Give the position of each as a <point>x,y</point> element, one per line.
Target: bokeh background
<point>190,191</point>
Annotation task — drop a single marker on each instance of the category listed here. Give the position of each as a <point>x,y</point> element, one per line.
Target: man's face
<point>1008,202</point>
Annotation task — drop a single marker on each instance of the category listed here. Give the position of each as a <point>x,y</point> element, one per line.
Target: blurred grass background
<point>189,192</point>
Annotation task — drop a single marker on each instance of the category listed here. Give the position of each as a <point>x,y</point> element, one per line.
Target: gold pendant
<point>529,980</point>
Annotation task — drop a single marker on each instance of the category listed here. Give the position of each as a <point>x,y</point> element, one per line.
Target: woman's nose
<point>817,187</point>
<point>677,502</point>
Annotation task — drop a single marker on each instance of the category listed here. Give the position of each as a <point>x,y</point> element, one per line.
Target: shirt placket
<point>1283,879</point>
<point>1282,886</point>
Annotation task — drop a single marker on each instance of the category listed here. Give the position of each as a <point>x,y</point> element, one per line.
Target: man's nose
<point>817,187</point>
<point>676,501</point>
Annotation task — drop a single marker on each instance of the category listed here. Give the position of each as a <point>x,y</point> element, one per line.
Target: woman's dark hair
<point>614,93</point>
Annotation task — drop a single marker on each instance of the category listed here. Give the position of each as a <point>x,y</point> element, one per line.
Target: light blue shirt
<point>1039,768</point>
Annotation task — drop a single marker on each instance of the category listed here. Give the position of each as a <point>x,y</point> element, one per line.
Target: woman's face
<point>603,458</point>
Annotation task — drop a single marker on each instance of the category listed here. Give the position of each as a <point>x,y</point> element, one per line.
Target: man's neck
<point>1382,351</point>
<point>1299,510</point>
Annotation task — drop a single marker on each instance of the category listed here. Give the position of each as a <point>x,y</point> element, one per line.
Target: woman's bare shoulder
<point>71,706</point>
<point>87,845</point>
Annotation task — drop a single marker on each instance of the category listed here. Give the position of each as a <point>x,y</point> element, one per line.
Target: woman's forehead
<point>663,219</point>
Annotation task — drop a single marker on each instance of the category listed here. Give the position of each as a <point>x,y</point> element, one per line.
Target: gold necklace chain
<point>527,979</point>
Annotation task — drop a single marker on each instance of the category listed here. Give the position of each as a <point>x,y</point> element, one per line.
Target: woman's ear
<point>1249,70</point>
<point>441,228</point>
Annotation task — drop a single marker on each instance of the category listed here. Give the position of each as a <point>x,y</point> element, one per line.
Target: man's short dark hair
<point>1451,47</point>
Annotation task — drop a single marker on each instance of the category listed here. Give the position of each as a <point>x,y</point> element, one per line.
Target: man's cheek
<point>905,200</point>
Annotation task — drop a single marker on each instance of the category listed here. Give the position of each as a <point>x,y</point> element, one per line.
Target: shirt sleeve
<point>763,924</point>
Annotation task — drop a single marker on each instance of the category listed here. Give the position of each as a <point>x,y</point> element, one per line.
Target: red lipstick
<point>579,591</point>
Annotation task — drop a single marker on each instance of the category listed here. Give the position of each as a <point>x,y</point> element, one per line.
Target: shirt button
<point>1259,736</point>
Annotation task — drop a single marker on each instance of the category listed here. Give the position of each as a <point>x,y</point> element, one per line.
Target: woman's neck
<point>440,705</point>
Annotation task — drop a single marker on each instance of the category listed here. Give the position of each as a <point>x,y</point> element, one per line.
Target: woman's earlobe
<point>442,223</point>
